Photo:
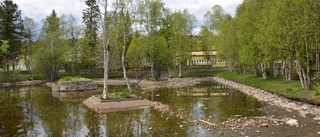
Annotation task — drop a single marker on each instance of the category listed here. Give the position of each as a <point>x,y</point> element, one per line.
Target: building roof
<point>203,53</point>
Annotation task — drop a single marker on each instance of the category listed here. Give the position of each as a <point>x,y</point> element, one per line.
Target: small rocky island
<point>73,84</point>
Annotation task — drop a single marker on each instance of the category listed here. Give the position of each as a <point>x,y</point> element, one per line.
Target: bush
<point>317,88</point>
<point>69,78</point>
<point>8,77</point>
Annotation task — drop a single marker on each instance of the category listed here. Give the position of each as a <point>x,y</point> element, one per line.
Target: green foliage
<point>4,46</point>
<point>291,89</point>
<point>69,78</point>
<point>11,26</point>
<point>199,72</point>
<point>157,54</point>
<point>10,77</point>
<point>317,88</point>
<point>50,49</point>
<point>119,95</point>
<point>91,19</point>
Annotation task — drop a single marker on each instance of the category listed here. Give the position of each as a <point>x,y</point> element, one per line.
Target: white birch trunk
<point>123,64</point>
<point>105,53</point>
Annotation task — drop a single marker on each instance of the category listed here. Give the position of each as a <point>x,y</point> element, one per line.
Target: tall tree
<point>29,34</point>
<point>11,30</point>
<point>227,46</point>
<point>49,54</point>
<point>125,23</point>
<point>151,13</point>
<point>106,18</point>
<point>180,37</point>
<point>73,33</point>
<point>91,19</point>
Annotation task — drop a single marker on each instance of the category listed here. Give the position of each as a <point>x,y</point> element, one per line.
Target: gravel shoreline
<point>273,99</point>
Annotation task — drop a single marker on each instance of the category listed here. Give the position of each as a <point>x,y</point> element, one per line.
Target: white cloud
<point>200,7</point>
<point>39,9</point>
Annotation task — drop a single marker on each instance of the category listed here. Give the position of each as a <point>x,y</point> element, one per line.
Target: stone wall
<point>73,87</point>
<point>23,83</point>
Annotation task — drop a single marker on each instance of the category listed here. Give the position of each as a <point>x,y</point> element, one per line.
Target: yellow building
<point>203,58</point>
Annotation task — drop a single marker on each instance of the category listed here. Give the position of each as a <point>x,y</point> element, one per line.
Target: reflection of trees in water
<point>239,104</point>
<point>74,121</point>
<point>92,120</point>
<point>53,114</point>
<point>11,117</point>
<point>127,124</point>
<point>17,112</point>
<point>120,126</point>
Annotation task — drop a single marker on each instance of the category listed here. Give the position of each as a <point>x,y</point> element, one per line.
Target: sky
<point>39,9</point>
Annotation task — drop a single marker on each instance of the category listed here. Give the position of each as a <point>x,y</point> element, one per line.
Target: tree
<point>73,34</point>
<point>150,13</point>
<point>91,19</point>
<point>180,37</point>
<point>106,27</point>
<point>135,58</point>
<point>4,46</point>
<point>125,22</point>
<point>29,34</point>
<point>50,53</point>
<point>227,46</point>
<point>160,59</point>
<point>207,39</point>
<point>11,30</point>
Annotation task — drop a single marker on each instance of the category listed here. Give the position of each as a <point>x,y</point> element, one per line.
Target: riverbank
<point>290,89</point>
<point>273,99</point>
<point>278,111</point>
<point>23,83</point>
<point>288,104</point>
<point>306,116</point>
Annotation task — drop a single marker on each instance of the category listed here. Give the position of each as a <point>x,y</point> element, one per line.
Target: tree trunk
<point>152,71</point>
<point>274,68</point>
<point>169,73</point>
<point>303,76</point>
<point>106,49</point>
<point>180,65</point>
<point>124,65</point>
<point>263,70</point>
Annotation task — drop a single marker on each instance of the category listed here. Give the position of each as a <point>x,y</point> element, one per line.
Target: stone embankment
<point>23,83</point>
<point>290,105</point>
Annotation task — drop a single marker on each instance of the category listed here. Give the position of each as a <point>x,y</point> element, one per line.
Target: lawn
<point>290,89</point>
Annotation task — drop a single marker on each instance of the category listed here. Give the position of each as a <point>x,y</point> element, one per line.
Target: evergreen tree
<point>11,30</point>
<point>91,19</point>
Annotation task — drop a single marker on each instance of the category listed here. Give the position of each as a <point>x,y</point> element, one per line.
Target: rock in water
<point>292,122</point>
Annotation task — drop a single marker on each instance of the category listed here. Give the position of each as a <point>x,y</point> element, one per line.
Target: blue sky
<point>39,9</point>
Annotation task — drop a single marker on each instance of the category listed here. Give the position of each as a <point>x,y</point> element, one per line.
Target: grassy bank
<point>290,89</point>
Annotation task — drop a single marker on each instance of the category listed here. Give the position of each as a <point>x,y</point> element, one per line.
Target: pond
<point>33,111</point>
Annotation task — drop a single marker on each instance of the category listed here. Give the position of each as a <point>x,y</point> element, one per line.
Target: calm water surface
<point>33,111</point>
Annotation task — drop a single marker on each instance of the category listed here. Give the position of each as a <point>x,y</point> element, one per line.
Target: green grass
<point>69,78</point>
<point>119,95</point>
<point>291,89</point>
<point>200,72</point>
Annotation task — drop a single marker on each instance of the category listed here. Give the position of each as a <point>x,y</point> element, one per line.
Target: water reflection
<point>33,111</point>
